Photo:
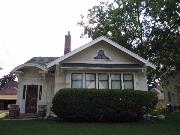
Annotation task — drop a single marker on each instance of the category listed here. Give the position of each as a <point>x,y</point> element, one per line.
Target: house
<point>158,90</point>
<point>172,90</point>
<point>8,95</point>
<point>100,64</point>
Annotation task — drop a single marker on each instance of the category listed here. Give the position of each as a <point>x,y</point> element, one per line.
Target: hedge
<point>91,105</point>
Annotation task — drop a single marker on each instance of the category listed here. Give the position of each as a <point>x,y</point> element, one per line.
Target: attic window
<point>101,55</point>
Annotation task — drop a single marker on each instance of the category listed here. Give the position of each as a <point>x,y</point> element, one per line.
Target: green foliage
<point>146,27</point>
<point>178,41</point>
<point>6,78</point>
<point>102,105</point>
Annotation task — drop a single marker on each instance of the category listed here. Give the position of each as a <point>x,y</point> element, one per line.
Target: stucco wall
<point>60,79</point>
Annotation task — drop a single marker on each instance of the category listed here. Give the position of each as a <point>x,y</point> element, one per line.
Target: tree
<point>178,39</point>
<point>6,78</point>
<point>146,27</point>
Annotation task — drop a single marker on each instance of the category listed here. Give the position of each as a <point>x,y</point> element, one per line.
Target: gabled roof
<point>102,38</point>
<point>39,62</point>
<point>44,63</point>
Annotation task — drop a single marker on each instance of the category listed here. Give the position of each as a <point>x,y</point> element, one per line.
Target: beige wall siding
<point>115,55</point>
<point>60,79</point>
<point>51,83</point>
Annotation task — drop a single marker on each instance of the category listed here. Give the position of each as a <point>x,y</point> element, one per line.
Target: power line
<point>9,57</point>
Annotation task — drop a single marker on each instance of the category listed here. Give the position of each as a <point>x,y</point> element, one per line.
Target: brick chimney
<point>67,45</point>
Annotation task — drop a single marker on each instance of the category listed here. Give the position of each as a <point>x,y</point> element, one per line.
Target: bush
<point>93,105</point>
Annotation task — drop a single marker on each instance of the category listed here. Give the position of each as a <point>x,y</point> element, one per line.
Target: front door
<point>31,98</point>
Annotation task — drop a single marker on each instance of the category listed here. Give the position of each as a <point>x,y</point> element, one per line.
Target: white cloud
<point>37,28</point>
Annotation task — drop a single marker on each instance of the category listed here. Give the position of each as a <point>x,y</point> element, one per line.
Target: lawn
<point>2,114</point>
<point>170,126</point>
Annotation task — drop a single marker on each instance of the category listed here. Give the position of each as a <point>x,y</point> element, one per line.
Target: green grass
<point>171,126</point>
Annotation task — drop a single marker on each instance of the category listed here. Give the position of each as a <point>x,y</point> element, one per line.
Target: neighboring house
<point>158,90</point>
<point>8,95</point>
<point>100,64</point>
<point>172,90</point>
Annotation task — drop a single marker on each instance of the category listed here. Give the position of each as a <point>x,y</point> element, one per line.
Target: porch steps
<point>23,116</point>
<point>28,116</point>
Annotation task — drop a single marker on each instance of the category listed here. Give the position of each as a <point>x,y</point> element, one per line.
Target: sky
<point>34,28</point>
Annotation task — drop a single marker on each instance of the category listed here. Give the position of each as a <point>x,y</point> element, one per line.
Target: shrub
<point>93,105</point>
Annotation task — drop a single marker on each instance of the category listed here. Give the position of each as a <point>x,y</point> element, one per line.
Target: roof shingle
<point>42,61</point>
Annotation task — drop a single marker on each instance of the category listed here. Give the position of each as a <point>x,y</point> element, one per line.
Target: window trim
<point>116,80</point>
<point>91,80</point>
<point>99,56</point>
<point>128,80</point>
<point>40,92</point>
<point>104,80</point>
<point>77,80</point>
<point>109,79</point>
<point>24,92</point>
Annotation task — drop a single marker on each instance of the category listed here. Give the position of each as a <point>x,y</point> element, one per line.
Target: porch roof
<point>42,61</point>
<point>39,62</point>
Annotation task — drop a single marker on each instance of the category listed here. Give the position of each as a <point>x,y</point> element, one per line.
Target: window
<point>76,80</point>
<point>115,81</point>
<point>101,55</point>
<point>103,81</point>
<point>90,80</point>
<point>40,92</point>
<point>24,92</point>
<point>128,81</point>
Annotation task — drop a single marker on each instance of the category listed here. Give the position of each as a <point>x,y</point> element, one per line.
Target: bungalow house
<point>100,64</point>
<point>8,94</point>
